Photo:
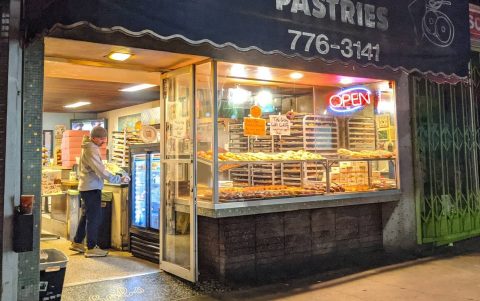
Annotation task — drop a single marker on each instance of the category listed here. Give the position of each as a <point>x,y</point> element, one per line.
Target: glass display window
<point>284,133</point>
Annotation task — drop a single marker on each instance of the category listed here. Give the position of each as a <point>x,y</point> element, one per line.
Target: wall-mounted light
<point>119,56</point>
<point>137,88</point>
<point>77,104</point>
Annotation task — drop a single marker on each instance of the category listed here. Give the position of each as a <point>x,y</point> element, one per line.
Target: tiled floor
<point>82,270</point>
<point>157,286</point>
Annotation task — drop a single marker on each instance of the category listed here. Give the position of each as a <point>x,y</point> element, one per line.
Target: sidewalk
<point>445,277</point>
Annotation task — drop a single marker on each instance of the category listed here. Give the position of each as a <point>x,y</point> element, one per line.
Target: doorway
<point>83,88</point>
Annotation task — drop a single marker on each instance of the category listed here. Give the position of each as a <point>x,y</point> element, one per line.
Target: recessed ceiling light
<point>77,104</point>
<point>137,88</point>
<point>346,80</point>
<point>238,70</point>
<point>264,73</point>
<point>119,56</point>
<point>296,75</point>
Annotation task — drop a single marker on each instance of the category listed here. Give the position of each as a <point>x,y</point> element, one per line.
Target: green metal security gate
<point>446,142</point>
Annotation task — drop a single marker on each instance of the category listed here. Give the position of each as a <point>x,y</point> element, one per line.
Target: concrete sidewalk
<point>445,277</point>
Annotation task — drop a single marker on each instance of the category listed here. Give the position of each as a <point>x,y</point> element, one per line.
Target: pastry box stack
<point>72,147</point>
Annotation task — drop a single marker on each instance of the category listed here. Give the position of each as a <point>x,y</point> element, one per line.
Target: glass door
<point>155,191</point>
<point>139,191</point>
<point>178,217</point>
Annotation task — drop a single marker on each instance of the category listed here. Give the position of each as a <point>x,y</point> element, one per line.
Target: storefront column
<point>399,219</point>
<point>10,160</point>
<point>28,263</point>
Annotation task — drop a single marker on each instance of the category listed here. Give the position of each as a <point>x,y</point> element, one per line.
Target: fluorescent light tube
<point>77,104</point>
<point>137,88</point>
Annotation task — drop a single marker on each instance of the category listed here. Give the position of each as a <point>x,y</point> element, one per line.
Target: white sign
<point>179,128</point>
<point>279,125</point>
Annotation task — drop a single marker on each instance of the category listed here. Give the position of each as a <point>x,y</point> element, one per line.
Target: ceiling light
<point>264,73</point>
<point>77,104</point>
<point>119,56</point>
<point>137,88</point>
<point>296,75</point>
<point>346,80</point>
<point>238,70</point>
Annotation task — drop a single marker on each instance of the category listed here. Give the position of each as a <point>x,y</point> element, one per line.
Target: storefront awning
<point>429,36</point>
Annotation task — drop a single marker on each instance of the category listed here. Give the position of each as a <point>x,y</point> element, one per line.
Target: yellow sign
<point>254,127</point>
<point>256,111</point>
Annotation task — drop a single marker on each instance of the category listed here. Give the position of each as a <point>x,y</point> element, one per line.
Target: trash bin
<point>52,273</point>
<point>104,239</point>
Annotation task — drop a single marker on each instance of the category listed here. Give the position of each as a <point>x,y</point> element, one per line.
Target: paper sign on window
<point>179,128</point>
<point>279,125</point>
<point>254,127</point>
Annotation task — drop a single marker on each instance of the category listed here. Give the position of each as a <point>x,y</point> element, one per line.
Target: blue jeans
<point>91,217</point>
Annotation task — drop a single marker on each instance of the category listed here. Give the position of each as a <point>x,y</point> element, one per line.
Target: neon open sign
<point>350,100</point>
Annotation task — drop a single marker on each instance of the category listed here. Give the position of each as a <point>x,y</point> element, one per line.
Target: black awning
<point>429,36</point>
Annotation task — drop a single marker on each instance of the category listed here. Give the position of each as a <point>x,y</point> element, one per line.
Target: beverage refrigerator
<point>145,201</point>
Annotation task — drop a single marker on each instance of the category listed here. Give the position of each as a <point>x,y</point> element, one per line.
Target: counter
<point>64,214</point>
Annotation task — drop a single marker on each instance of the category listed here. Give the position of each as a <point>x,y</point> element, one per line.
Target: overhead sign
<point>350,100</point>
<point>279,125</point>
<point>474,22</point>
<point>425,35</point>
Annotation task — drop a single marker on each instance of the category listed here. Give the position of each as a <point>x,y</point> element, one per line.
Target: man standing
<point>92,173</point>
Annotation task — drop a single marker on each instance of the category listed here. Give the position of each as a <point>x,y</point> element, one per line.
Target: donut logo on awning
<point>350,100</point>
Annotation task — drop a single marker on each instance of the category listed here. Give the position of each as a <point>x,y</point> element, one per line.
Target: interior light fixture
<point>346,80</point>
<point>238,70</point>
<point>385,87</point>
<point>137,88</point>
<point>238,95</point>
<point>296,75</point>
<point>119,56</point>
<point>264,98</point>
<point>264,73</point>
<point>77,104</point>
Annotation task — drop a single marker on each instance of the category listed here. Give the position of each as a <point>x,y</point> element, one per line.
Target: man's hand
<point>125,179</point>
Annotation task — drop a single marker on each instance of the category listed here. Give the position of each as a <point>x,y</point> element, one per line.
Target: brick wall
<point>267,247</point>
<point>28,263</point>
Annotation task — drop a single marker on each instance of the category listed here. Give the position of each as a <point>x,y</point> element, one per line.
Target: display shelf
<point>121,146</point>
<point>361,133</point>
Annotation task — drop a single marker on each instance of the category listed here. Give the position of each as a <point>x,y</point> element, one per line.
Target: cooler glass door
<point>155,191</point>
<point>139,191</point>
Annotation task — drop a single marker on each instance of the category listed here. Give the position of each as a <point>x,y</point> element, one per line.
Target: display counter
<point>271,144</point>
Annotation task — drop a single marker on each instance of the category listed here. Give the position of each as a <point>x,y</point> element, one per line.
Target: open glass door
<point>178,215</point>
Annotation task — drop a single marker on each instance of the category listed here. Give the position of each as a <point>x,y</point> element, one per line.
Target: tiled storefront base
<point>268,247</point>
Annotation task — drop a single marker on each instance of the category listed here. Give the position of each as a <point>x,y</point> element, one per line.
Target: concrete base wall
<point>269,247</point>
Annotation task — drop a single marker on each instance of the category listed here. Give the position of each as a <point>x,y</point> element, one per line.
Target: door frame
<point>192,273</point>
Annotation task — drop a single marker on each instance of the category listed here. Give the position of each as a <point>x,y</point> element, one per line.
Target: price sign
<point>279,125</point>
<point>179,128</point>
<point>254,127</point>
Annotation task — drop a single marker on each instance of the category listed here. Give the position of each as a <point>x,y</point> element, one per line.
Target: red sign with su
<point>474,20</point>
